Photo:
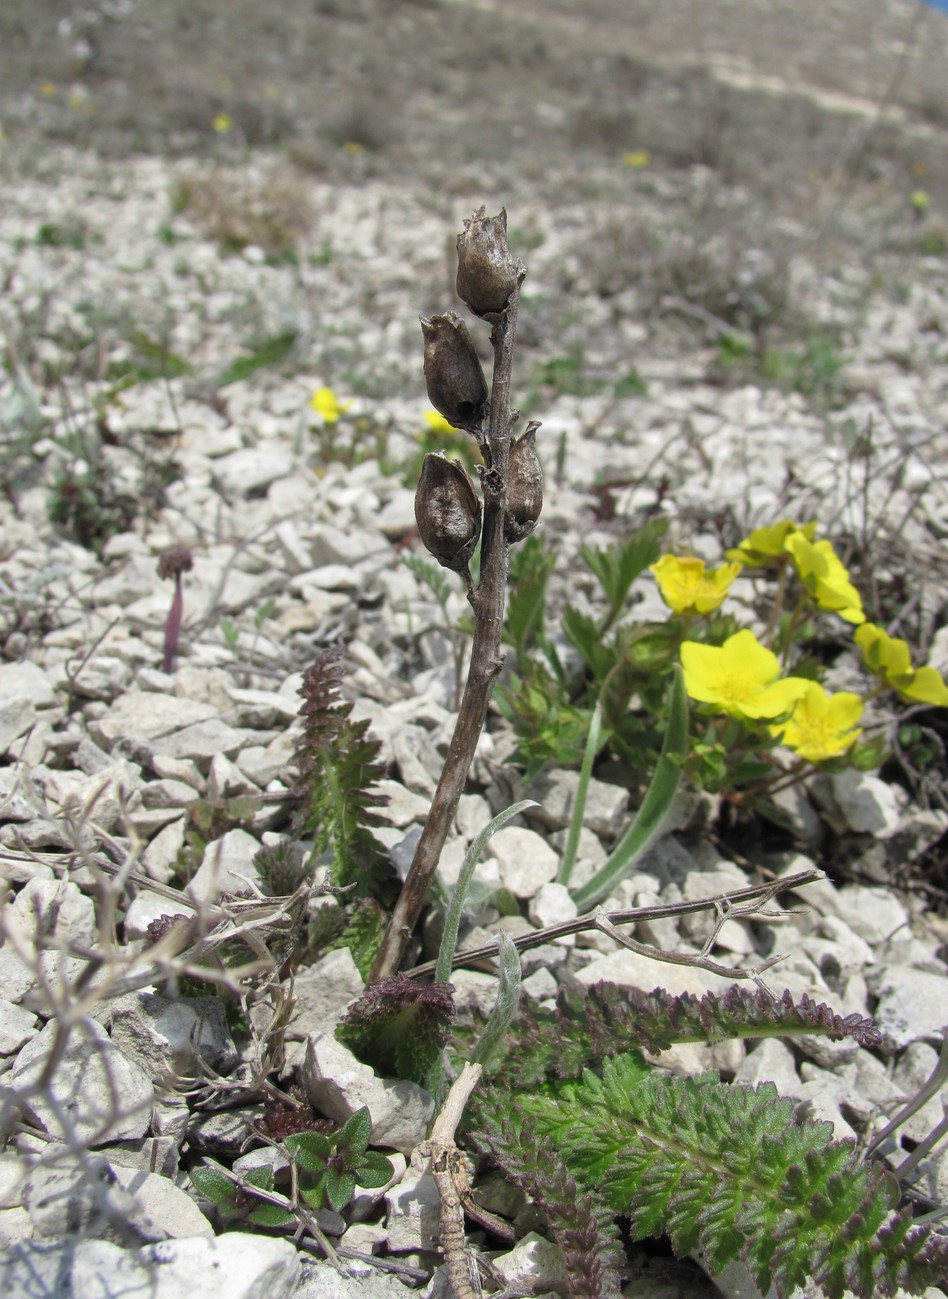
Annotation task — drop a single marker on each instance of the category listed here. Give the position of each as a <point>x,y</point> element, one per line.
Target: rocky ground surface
<point>167,321</point>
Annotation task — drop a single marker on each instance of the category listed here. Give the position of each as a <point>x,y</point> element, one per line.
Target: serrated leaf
<point>217,1188</point>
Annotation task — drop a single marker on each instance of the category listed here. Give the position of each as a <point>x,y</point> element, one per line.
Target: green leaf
<point>270,1215</point>
<point>217,1188</point>
<point>356,1132</point>
<point>270,352</point>
<point>659,797</point>
<point>530,570</point>
<point>617,567</point>
<point>309,1149</point>
<point>506,1005</point>
<point>315,1196</point>
<point>452,919</point>
<point>340,1188</point>
<point>374,1169</point>
<point>261,1177</point>
<point>582,791</point>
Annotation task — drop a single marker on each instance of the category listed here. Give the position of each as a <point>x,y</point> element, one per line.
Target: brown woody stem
<point>486,659</point>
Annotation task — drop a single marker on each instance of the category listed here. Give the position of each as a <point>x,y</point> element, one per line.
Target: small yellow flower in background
<point>740,677</point>
<point>889,658</point>
<point>353,148</point>
<point>688,587</point>
<point>637,158</point>
<point>766,544</point>
<point>438,424</point>
<point>222,123</point>
<point>47,89</point>
<point>825,576</point>
<point>821,726</point>
<point>325,403</point>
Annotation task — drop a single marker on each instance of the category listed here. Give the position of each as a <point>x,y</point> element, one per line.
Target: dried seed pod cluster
<point>447,509</point>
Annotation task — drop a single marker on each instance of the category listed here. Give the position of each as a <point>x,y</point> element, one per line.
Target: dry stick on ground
<point>486,659</point>
<point>725,904</point>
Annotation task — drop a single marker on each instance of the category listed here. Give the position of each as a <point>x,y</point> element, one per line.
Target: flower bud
<point>448,513</point>
<point>453,373</point>
<point>487,274</point>
<point>524,487</point>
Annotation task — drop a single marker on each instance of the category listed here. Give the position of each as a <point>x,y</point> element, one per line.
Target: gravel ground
<point>167,318</point>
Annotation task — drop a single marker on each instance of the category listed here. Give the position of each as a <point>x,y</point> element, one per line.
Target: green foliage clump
<point>724,1169</point>
<point>332,1166</point>
<point>400,1027</point>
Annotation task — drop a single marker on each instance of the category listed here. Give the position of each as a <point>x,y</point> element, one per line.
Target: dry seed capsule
<point>448,513</point>
<point>453,373</point>
<point>487,274</point>
<point>524,486</point>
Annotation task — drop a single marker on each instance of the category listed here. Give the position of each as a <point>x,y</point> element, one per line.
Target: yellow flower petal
<point>325,402</point>
<point>437,423</point>
<point>927,686</point>
<point>821,726</point>
<point>883,654</point>
<point>766,544</point>
<point>825,576</point>
<point>740,677</point>
<point>687,586</point>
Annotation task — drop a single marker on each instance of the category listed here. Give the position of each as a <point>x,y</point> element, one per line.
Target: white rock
<point>338,1084</point>
<point>168,1036</point>
<point>551,905</point>
<point>103,1096</point>
<point>226,867</point>
<point>17,1027</point>
<point>867,804</point>
<point>555,793</point>
<point>323,990</point>
<point>147,716</point>
<point>534,1261</point>
<point>770,1061</point>
<point>872,913</point>
<point>171,1210</point>
<point>413,1218</point>
<point>526,860</point>
<point>635,971</point>
<point>251,470</point>
<point>912,1003</point>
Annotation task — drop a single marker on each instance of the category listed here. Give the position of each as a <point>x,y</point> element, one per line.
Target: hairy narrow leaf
<point>494,1036</point>
<point>648,822</point>
<point>452,919</point>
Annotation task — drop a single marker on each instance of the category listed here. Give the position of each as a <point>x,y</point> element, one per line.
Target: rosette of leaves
<point>332,1166</point>
<point>234,1202</point>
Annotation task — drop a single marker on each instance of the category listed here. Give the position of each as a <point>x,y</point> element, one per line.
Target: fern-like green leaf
<point>337,764</point>
<point>582,1223</point>
<point>732,1171</point>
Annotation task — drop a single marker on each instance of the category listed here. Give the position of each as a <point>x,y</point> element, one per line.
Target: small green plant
<point>239,1204</point>
<point>331,1167</point>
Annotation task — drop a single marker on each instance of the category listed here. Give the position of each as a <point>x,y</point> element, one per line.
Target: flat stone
<point>525,859</point>
<point>912,1003</point>
<point>338,1084</point>
<point>17,1027</point>
<point>105,1096</point>
<point>201,742</point>
<point>147,716</point>
<point>323,990</point>
<point>413,1213</point>
<point>250,471</point>
<point>227,866</point>
<point>555,794</point>
<point>168,1036</point>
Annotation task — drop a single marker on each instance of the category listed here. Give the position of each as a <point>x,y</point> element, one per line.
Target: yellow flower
<point>825,576</point>
<point>740,677</point>
<point>637,158</point>
<point>889,658</point>
<point>766,544</point>
<point>353,148</point>
<point>821,726</point>
<point>325,402</point>
<point>222,123</point>
<point>438,424</point>
<point>688,587</point>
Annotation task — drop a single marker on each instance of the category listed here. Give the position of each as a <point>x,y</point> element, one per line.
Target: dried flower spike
<point>524,486</point>
<point>173,562</point>
<point>453,372</point>
<point>448,513</point>
<point>487,274</point>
